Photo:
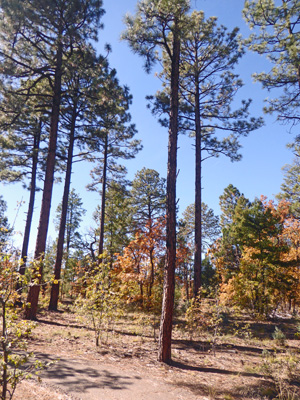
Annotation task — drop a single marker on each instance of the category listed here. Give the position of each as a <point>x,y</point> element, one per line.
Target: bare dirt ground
<point>125,368</point>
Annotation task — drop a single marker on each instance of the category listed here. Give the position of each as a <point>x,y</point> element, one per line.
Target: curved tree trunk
<point>63,218</point>
<point>34,290</point>
<point>165,334</point>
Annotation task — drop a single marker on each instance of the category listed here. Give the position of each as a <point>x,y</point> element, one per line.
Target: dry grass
<point>33,390</point>
<point>227,366</point>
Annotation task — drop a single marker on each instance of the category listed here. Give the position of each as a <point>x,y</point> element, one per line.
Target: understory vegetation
<point>252,359</point>
<point>257,357</point>
<point>214,296</point>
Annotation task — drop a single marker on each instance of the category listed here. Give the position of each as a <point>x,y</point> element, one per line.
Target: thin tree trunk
<point>4,374</point>
<point>165,334</point>
<point>36,146</point>
<point>151,283</point>
<point>33,294</point>
<point>186,283</point>
<point>151,254</point>
<point>63,218</point>
<point>68,245</point>
<point>102,217</point>
<point>198,199</point>
<point>111,252</point>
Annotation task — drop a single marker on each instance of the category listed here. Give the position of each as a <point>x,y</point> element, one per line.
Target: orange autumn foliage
<point>266,272</point>
<point>184,258</point>
<point>139,268</point>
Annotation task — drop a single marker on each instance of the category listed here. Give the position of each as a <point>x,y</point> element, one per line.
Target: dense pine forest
<point>184,283</point>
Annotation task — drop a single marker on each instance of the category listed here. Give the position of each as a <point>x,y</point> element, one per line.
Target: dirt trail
<point>126,368</point>
<point>91,380</point>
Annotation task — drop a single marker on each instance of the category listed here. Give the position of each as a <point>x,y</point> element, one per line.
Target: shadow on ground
<point>188,367</point>
<point>255,391</point>
<point>79,377</point>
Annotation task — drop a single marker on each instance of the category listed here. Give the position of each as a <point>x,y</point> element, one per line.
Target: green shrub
<point>16,364</point>
<point>100,301</point>
<point>279,336</point>
<point>284,370</point>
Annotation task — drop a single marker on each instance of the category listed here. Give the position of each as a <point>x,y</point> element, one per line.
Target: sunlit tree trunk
<point>36,145</point>
<point>63,219</point>
<point>165,335</point>
<point>33,294</point>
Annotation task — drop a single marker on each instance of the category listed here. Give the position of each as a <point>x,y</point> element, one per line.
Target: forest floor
<point>238,361</point>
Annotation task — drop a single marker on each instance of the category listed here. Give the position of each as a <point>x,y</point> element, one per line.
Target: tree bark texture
<point>165,335</point>
<point>102,217</point>
<point>36,145</point>
<point>33,294</point>
<point>63,218</point>
<point>198,197</point>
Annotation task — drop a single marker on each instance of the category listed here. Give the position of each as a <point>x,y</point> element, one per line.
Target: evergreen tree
<point>228,202</point>
<point>210,231</point>
<point>290,188</point>
<point>118,220</point>
<point>232,202</point>
<point>5,229</point>
<point>37,40</point>
<point>258,231</point>
<point>75,214</point>
<point>79,81</point>
<point>208,86</point>
<point>22,141</point>
<point>148,198</point>
<point>276,35</point>
<point>210,225</point>
<point>115,140</point>
<point>158,26</point>
<point>72,242</point>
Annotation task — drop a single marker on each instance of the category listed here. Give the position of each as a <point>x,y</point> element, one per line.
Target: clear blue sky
<point>264,151</point>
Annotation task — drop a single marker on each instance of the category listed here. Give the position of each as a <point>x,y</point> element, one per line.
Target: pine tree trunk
<point>151,254</point>
<point>151,282</point>
<point>165,334</point>
<point>33,294</point>
<point>102,217</point>
<point>36,146</point>
<point>63,218</point>
<point>198,200</point>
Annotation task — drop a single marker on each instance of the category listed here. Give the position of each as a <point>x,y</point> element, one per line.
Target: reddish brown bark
<point>63,219</point>
<point>36,145</point>
<point>165,335</point>
<point>34,290</point>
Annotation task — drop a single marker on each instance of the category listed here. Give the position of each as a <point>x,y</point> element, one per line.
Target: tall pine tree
<point>37,40</point>
<point>158,26</point>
